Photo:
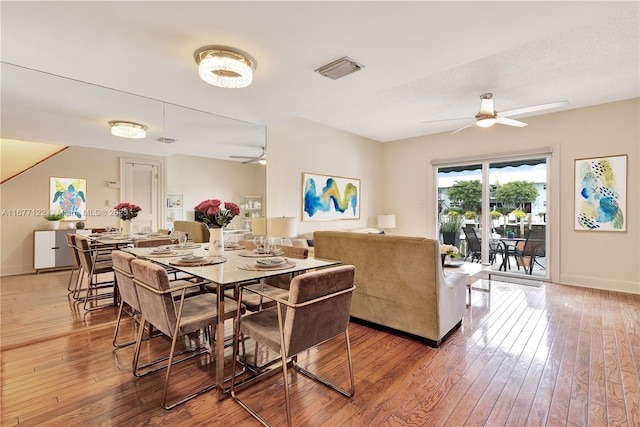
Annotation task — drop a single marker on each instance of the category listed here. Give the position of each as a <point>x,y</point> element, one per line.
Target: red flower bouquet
<point>216,214</point>
<point>127,211</point>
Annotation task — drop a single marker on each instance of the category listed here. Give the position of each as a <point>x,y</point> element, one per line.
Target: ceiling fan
<point>488,116</point>
<point>262,158</point>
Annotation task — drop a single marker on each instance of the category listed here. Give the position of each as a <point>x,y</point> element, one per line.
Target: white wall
<point>299,145</point>
<point>605,260</point>
<point>196,178</point>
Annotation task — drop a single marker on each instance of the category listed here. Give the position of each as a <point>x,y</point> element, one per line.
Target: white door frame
<point>160,164</point>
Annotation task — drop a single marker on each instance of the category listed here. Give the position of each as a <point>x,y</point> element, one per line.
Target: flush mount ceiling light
<point>128,129</point>
<point>225,67</point>
<point>340,68</point>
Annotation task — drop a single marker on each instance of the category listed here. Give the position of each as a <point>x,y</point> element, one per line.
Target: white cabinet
<point>250,207</point>
<point>50,249</point>
<point>175,209</point>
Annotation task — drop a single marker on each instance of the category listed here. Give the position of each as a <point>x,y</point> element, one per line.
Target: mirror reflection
<point>199,155</point>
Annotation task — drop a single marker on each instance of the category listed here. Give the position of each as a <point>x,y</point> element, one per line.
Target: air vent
<point>340,68</point>
<point>166,140</point>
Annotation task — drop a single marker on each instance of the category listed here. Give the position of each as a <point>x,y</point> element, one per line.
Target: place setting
<point>167,251</point>
<point>275,263</point>
<point>183,243</point>
<point>197,260</point>
<point>264,249</point>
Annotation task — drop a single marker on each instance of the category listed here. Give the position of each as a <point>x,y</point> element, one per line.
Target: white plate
<point>270,261</point>
<point>162,250</point>
<point>191,258</point>
<point>187,246</point>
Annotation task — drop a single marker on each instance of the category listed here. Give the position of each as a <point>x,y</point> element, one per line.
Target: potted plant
<point>54,220</point>
<point>450,227</point>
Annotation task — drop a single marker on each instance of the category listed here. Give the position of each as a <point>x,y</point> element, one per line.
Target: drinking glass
<point>182,239</point>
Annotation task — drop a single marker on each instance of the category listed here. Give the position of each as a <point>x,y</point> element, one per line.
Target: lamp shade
<point>259,226</point>
<point>284,227</point>
<point>386,221</point>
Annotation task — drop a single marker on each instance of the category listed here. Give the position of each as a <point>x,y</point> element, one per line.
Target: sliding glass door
<point>499,202</point>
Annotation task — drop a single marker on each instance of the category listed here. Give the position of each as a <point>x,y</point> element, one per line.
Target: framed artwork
<point>601,194</point>
<point>327,198</point>
<point>69,196</point>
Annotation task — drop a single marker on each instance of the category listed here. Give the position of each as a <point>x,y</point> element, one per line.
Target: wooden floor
<point>553,355</point>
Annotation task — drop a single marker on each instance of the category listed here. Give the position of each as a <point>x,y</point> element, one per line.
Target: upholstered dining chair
<point>316,311</point>
<point>94,260</point>
<point>276,286</point>
<point>196,231</point>
<point>173,318</point>
<point>152,243</point>
<point>75,258</point>
<point>127,290</point>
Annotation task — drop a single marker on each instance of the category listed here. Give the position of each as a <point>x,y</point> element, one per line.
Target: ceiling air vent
<point>340,68</point>
<point>166,140</point>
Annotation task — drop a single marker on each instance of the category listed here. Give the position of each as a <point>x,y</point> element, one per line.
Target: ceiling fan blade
<point>447,120</point>
<point>532,108</point>
<point>468,125</point>
<point>510,122</point>
<point>243,157</point>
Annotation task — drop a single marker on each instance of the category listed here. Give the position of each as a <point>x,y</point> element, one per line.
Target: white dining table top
<point>229,272</point>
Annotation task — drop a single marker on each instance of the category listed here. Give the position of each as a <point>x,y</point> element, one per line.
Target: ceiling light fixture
<point>340,68</point>
<point>486,122</point>
<point>225,67</point>
<point>128,129</point>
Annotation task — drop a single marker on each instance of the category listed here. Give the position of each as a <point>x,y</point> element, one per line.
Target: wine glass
<point>258,241</point>
<point>182,239</point>
<point>268,245</point>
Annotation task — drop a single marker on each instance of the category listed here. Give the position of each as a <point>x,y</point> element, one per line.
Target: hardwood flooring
<point>549,356</point>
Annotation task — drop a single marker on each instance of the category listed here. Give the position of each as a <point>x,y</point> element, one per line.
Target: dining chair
<point>173,318</point>
<point>527,252</point>
<point>152,243</point>
<point>316,311</point>
<point>95,260</point>
<point>275,286</point>
<point>75,258</point>
<point>127,291</point>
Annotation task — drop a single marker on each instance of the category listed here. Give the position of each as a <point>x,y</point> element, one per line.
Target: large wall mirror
<point>46,108</point>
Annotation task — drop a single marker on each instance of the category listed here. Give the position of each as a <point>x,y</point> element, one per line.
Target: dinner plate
<point>187,246</point>
<point>191,258</point>
<point>270,262</point>
<point>162,250</point>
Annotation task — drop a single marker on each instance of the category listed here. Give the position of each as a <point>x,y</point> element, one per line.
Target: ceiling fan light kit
<point>225,67</point>
<point>488,116</point>
<point>125,129</point>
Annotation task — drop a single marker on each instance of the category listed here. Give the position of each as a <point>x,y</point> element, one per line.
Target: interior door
<point>140,186</point>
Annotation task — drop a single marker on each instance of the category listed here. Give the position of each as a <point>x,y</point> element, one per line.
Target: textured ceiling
<point>423,61</point>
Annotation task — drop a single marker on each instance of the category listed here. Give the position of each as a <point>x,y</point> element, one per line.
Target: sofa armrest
<point>452,300</point>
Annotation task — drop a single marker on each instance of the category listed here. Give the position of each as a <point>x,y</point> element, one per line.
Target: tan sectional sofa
<point>400,282</point>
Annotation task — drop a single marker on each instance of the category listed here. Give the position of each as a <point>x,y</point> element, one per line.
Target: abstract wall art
<point>601,194</point>
<point>326,198</point>
<point>69,196</point>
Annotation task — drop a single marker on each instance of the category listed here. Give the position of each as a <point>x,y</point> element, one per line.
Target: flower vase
<point>442,258</point>
<point>126,227</point>
<point>216,242</point>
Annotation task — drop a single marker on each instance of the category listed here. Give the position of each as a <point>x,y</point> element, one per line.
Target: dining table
<point>232,269</point>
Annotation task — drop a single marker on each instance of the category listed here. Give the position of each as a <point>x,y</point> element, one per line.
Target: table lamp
<point>283,227</point>
<point>386,221</point>
<point>259,226</point>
